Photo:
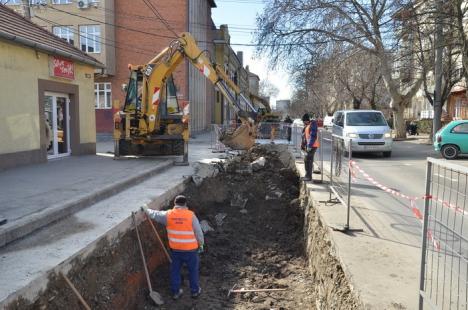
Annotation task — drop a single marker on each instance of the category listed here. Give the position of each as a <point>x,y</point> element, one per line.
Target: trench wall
<point>109,273</point>
<point>332,287</point>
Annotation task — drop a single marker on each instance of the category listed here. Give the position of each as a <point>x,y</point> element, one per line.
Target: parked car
<point>367,129</point>
<point>328,122</point>
<point>452,139</point>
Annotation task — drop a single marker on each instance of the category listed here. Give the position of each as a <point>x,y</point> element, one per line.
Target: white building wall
<point>200,89</point>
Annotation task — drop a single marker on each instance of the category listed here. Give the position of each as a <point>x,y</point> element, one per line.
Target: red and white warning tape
<point>412,199</point>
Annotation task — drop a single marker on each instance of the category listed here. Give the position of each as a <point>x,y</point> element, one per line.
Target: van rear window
<point>365,119</point>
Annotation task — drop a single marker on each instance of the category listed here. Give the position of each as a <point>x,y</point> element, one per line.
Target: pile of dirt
<point>257,244</point>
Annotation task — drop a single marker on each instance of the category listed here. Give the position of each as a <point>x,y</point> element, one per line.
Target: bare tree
<point>458,16</point>
<point>268,89</point>
<point>288,28</point>
<point>339,78</point>
<point>358,72</point>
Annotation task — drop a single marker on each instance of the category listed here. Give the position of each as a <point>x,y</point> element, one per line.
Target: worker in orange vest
<point>309,145</point>
<point>185,240</point>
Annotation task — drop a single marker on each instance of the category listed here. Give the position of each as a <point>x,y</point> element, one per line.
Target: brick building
<point>119,32</point>
<point>150,37</point>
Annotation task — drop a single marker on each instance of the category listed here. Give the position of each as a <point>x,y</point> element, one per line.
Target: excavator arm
<point>144,120</point>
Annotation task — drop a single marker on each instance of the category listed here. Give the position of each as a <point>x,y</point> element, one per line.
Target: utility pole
<point>438,44</point>
<point>27,9</point>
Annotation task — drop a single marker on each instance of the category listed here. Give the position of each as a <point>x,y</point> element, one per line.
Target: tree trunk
<point>438,68</point>
<point>399,120</point>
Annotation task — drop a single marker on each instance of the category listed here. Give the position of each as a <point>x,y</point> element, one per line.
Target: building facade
<point>233,64</point>
<point>55,116</point>
<point>88,25</point>
<point>119,32</point>
<point>146,35</point>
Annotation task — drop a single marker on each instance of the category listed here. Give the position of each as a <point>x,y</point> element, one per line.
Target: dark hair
<point>180,200</point>
<point>305,117</point>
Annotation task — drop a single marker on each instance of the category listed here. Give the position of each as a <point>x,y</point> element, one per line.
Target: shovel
<point>155,296</point>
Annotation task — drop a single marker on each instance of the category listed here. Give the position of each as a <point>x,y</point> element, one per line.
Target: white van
<point>367,129</point>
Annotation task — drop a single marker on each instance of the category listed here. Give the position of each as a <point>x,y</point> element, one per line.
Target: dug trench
<point>263,234</point>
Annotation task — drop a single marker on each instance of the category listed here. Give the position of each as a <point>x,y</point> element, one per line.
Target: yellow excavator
<point>151,122</point>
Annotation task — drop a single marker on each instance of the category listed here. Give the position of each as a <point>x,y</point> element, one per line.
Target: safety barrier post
<point>424,234</point>
<point>331,166</point>
<point>349,184</point>
<point>321,156</point>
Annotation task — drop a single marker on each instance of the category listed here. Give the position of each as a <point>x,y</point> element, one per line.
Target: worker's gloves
<point>201,248</point>
<point>143,208</point>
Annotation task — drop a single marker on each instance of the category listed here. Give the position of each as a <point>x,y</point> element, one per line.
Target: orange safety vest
<point>180,231</point>
<point>307,135</point>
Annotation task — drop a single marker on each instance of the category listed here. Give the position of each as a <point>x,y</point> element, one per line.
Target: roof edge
<point>48,49</point>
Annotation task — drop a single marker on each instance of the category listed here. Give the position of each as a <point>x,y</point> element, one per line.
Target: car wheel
<point>387,154</point>
<point>449,151</point>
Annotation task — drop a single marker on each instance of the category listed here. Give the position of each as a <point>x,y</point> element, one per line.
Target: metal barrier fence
<point>444,253</point>
<point>340,174</point>
<point>274,131</point>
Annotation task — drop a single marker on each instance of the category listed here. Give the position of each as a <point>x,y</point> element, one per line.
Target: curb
<point>17,229</point>
<point>39,283</point>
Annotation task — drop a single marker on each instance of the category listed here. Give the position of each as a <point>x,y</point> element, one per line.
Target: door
<point>57,107</point>
<point>459,136</point>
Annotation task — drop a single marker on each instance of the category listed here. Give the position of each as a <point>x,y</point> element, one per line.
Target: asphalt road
<point>393,228</point>
<point>404,172</point>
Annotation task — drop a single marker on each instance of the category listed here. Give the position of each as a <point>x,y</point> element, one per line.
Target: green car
<point>452,139</point>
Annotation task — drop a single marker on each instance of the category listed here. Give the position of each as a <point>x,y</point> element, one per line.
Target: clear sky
<point>240,16</point>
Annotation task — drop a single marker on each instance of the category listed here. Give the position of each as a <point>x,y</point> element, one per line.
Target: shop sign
<point>63,68</point>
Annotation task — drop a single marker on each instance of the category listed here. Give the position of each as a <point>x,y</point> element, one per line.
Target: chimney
<point>240,55</point>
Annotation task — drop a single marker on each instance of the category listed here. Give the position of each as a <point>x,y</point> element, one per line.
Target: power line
<point>110,24</point>
<point>155,11</point>
<point>199,41</point>
<point>138,51</point>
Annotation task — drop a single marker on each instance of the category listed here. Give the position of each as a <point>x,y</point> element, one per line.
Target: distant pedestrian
<point>288,121</point>
<point>309,144</point>
<point>185,240</point>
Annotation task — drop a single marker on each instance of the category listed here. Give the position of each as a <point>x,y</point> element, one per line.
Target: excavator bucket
<point>243,138</point>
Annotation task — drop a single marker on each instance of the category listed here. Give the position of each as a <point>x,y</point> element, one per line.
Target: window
<point>365,119</point>
<point>64,32</point>
<point>90,37</point>
<point>61,1</point>
<point>102,96</point>
<point>462,128</point>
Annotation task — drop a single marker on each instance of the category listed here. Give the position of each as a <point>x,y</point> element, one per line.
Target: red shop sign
<point>63,68</point>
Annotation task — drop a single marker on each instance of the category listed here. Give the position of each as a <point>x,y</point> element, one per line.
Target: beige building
<point>233,64</point>
<point>47,100</point>
<point>89,26</point>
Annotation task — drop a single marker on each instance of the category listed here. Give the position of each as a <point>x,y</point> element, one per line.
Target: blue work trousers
<point>191,259</point>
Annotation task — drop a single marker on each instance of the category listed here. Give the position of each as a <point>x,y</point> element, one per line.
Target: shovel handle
<point>142,254</point>
<point>159,239</point>
<point>73,288</point>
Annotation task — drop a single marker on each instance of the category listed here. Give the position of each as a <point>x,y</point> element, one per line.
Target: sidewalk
<point>34,196</point>
<point>383,271</point>
<point>26,264</point>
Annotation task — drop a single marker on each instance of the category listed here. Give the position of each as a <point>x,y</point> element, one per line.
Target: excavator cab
<point>170,133</point>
